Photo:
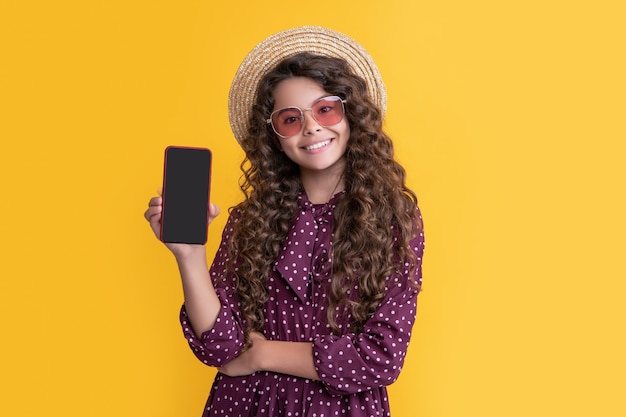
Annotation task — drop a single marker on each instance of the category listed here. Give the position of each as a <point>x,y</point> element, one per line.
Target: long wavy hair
<point>366,250</point>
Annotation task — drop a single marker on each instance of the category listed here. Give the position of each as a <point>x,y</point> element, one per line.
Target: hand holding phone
<point>186,191</point>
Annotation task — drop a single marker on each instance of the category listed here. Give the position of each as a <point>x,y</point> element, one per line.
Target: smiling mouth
<point>318,145</point>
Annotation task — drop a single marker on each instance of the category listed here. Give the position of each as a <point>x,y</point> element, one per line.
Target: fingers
<point>214,211</point>
<point>155,201</point>
<point>155,210</point>
<point>153,215</point>
<point>152,212</point>
<point>155,207</point>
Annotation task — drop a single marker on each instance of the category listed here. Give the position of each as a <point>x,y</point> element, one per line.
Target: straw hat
<point>267,54</point>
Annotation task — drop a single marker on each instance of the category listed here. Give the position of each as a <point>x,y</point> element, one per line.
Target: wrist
<point>192,258</point>
<point>259,358</point>
<point>190,253</point>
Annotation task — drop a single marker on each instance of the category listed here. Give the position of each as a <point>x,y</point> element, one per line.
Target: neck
<point>321,188</point>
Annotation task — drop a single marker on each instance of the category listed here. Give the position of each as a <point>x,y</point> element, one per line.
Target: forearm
<point>291,358</point>
<point>201,301</point>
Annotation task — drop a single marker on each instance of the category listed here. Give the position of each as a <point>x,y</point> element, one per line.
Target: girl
<point>308,306</point>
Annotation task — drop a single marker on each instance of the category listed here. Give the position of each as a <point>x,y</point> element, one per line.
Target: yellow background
<point>508,115</point>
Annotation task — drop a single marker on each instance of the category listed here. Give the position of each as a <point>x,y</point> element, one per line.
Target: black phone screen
<point>186,185</point>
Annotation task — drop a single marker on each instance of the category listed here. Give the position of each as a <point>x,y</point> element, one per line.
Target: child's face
<point>314,147</point>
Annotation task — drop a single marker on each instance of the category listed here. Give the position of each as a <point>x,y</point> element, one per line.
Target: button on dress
<point>354,368</point>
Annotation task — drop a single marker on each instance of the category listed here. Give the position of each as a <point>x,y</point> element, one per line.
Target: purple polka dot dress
<point>354,368</point>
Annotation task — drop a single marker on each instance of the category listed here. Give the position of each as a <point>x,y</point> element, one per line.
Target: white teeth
<point>317,145</point>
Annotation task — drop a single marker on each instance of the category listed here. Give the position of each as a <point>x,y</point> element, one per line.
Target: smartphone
<point>186,190</point>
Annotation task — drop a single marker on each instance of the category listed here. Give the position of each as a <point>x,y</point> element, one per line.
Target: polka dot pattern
<point>354,368</point>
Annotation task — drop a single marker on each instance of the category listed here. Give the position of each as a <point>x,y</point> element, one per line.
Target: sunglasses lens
<point>287,122</point>
<point>328,111</point>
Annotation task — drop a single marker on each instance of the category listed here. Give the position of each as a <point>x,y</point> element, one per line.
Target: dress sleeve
<point>373,358</point>
<point>224,341</point>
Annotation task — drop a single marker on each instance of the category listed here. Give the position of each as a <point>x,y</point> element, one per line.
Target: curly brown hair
<point>366,250</point>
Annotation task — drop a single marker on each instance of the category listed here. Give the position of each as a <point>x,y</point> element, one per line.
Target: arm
<point>223,341</point>
<point>200,298</point>
<point>346,364</point>
<point>201,301</point>
<point>352,362</point>
<point>356,362</point>
<point>291,358</point>
<point>373,358</point>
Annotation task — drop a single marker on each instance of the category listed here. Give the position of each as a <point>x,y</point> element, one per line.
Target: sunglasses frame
<point>343,114</point>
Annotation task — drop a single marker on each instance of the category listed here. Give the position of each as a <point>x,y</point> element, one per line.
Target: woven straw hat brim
<point>268,53</point>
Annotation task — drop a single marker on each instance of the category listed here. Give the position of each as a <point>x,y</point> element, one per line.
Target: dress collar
<point>295,260</point>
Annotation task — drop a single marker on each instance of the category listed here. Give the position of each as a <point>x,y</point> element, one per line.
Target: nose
<point>310,124</point>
